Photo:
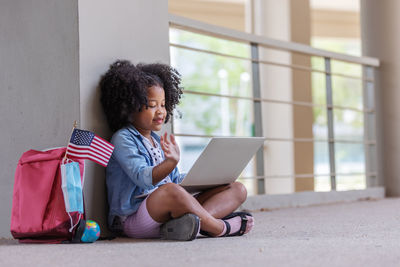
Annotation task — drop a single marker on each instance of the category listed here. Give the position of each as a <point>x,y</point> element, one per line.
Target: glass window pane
<point>190,148</point>
<point>247,177</point>
<point>320,128</point>
<point>349,158</point>
<point>350,182</point>
<point>348,46</point>
<point>213,115</point>
<point>348,124</point>
<point>346,68</point>
<point>251,186</point>
<point>209,43</point>
<point>322,183</point>
<point>318,81</point>
<point>215,74</point>
<point>321,158</point>
<point>318,63</point>
<point>347,92</point>
<point>212,74</point>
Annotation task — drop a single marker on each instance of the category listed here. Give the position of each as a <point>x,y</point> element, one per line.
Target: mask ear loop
<point>66,161</point>
<point>83,176</point>
<point>72,223</point>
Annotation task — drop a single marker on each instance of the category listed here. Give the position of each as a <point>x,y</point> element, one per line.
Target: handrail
<point>297,140</point>
<point>277,101</point>
<point>307,175</point>
<point>293,66</point>
<point>197,26</point>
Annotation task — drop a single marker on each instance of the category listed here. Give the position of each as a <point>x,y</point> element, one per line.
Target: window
<point>324,140</point>
<point>217,100</point>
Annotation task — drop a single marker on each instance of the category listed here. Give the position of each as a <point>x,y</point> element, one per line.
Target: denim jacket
<point>129,173</point>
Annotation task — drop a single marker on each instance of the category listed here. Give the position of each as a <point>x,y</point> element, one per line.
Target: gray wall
<point>49,70</point>
<point>39,83</point>
<point>109,30</point>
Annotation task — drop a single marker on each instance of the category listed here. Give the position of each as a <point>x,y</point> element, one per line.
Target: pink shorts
<point>141,225</point>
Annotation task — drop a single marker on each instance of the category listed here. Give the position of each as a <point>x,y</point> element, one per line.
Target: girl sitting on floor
<point>144,195</point>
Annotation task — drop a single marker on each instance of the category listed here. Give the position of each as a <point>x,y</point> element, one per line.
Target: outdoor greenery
<point>217,74</point>
<point>212,74</point>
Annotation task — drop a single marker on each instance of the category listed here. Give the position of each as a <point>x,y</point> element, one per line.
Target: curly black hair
<point>124,90</point>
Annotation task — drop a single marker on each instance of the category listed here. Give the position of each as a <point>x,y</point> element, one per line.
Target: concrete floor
<point>365,233</point>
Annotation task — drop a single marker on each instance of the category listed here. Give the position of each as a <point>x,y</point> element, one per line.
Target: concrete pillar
<point>272,19</point>
<point>39,83</point>
<point>302,92</point>
<point>380,26</point>
<point>287,20</point>
<point>52,54</point>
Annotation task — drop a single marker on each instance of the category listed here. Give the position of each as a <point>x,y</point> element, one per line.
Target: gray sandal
<point>184,228</point>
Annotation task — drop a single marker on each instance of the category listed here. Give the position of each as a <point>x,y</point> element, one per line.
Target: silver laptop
<point>221,162</point>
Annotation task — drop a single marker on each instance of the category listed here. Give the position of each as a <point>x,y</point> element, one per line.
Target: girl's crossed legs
<point>172,201</point>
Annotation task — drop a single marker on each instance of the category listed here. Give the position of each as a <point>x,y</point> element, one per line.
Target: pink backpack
<point>38,209</point>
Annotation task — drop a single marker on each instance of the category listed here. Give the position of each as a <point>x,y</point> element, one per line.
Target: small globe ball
<point>91,233</point>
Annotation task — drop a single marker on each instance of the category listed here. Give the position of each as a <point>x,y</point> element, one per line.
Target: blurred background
<point>213,67</point>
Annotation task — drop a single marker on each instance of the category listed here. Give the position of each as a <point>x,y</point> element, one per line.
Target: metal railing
<point>255,43</point>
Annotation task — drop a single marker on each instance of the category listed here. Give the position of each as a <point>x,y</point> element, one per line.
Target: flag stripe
<point>86,156</point>
<point>104,143</point>
<point>90,158</point>
<point>96,150</point>
<point>101,149</point>
<point>86,150</point>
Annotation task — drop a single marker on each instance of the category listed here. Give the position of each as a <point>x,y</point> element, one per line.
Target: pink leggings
<point>141,225</point>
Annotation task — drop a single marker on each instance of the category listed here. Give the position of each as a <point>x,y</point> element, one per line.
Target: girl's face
<point>151,118</point>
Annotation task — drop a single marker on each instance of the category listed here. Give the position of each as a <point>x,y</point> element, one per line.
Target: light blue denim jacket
<point>129,172</point>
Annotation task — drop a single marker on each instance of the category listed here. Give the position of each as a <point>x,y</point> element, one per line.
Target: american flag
<point>87,145</point>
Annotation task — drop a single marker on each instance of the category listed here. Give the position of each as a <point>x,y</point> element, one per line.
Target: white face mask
<point>72,188</point>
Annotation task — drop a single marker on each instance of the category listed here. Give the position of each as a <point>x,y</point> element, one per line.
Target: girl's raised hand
<point>170,148</point>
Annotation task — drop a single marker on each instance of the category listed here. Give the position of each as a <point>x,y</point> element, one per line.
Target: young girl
<point>144,195</point>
